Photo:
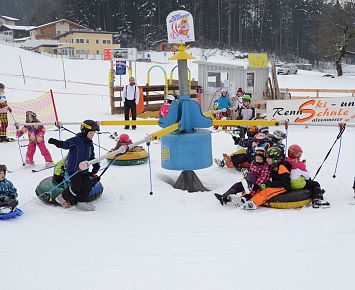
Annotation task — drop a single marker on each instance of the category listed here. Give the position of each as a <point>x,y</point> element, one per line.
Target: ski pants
<point>263,195</point>
<point>31,149</point>
<point>130,105</point>
<point>8,201</point>
<point>3,124</point>
<point>314,187</point>
<point>79,189</point>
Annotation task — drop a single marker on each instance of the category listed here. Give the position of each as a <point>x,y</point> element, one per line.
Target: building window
<point>97,41</point>
<point>81,40</point>
<point>59,32</point>
<point>106,41</point>
<point>97,51</point>
<point>87,41</point>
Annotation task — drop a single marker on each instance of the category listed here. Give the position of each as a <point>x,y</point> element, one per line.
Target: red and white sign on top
<point>319,110</point>
<point>180,26</point>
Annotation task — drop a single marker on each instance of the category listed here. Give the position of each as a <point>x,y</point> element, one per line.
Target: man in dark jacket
<point>80,149</point>
<point>278,183</point>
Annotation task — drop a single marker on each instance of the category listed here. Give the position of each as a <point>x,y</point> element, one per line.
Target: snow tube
<point>48,183</point>
<point>292,199</point>
<point>11,215</point>
<point>134,157</point>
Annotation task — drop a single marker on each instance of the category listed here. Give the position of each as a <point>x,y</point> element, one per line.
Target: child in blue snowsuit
<point>8,193</point>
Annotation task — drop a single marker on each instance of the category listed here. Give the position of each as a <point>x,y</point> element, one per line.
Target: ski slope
<point>173,239</point>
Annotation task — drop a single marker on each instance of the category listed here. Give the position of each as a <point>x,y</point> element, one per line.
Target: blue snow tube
<point>11,215</point>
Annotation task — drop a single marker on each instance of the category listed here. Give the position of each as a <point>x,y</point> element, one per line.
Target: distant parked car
<point>287,69</point>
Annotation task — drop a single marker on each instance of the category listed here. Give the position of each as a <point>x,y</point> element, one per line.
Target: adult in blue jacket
<point>80,149</point>
<point>223,101</point>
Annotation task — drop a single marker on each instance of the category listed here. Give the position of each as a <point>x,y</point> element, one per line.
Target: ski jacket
<point>224,102</point>
<point>35,133</point>
<point>7,189</point>
<point>261,171</point>
<point>280,175</point>
<point>299,173</point>
<point>246,113</point>
<point>80,148</point>
<point>4,108</point>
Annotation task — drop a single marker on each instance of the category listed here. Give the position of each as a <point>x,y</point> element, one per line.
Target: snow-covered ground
<point>172,239</point>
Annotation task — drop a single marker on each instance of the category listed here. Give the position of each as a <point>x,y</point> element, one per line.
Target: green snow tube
<point>48,183</point>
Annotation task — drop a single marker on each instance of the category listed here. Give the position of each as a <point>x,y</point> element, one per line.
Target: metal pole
<point>183,78</point>
<point>23,75</point>
<point>65,80</point>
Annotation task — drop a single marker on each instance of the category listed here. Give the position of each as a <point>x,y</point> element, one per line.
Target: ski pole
<point>342,129</point>
<point>286,129</point>
<point>336,164</point>
<point>150,170</point>
<point>18,141</point>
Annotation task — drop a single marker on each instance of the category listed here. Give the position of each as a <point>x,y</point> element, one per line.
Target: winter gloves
<point>56,143</point>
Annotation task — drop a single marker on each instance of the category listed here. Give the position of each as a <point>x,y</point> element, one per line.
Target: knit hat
<point>3,168</point>
<point>240,90</point>
<point>124,138</point>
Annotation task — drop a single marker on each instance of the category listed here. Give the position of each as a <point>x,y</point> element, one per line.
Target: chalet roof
<point>60,20</point>
<point>16,27</point>
<point>34,43</point>
<point>8,18</point>
<point>82,31</point>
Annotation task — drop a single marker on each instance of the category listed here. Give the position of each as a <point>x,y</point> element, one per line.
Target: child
<point>4,108</point>
<point>59,170</point>
<point>276,139</point>
<point>164,109</point>
<point>300,177</point>
<point>123,139</point>
<point>36,138</point>
<point>278,183</point>
<point>8,193</point>
<point>245,112</point>
<point>80,149</point>
<point>258,174</point>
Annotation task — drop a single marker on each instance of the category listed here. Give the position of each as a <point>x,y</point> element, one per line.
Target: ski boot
<point>317,203</point>
<point>219,162</point>
<point>222,198</point>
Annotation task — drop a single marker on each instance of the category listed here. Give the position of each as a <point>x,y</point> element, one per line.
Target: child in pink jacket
<point>259,173</point>
<point>36,138</point>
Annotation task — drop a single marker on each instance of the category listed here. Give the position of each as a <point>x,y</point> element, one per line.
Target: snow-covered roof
<point>18,27</point>
<point>218,64</point>
<point>61,20</point>
<point>22,39</point>
<point>33,43</point>
<point>8,18</point>
<point>82,31</point>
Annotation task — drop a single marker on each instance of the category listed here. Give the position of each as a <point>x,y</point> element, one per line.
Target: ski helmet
<point>31,113</point>
<point>124,138</point>
<point>260,151</point>
<point>275,154</point>
<point>170,98</point>
<point>253,130</point>
<point>246,98</point>
<point>279,135</point>
<point>294,151</point>
<point>3,168</point>
<point>89,125</point>
<point>264,129</point>
<point>260,137</point>
<point>2,86</point>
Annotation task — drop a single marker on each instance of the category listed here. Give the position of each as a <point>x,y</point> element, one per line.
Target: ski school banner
<point>321,111</point>
<point>180,26</point>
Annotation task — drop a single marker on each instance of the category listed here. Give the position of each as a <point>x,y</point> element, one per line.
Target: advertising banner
<point>317,110</point>
<point>180,27</point>
<point>257,60</point>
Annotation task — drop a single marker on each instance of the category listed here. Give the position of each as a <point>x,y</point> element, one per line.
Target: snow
<point>172,239</point>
